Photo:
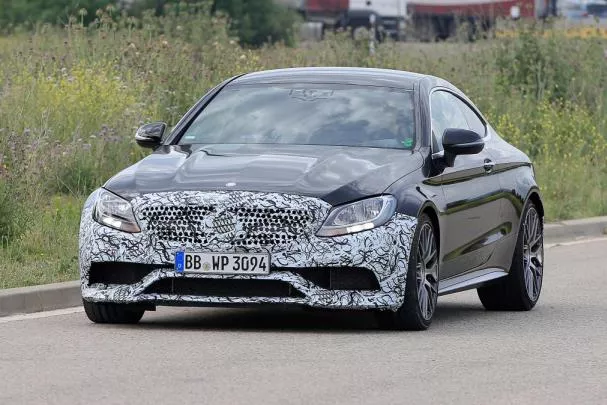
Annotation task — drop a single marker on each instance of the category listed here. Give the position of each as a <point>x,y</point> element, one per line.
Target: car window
<point>446,113</point>
<point>474,122</point>
<point>310,114</point>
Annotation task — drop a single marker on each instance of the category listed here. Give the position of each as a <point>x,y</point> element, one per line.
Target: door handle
<point>488,165</point>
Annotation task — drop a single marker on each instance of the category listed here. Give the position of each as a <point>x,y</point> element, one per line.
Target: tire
<point>104,312</point>
<point>422,278</point>
<point>520,290</point>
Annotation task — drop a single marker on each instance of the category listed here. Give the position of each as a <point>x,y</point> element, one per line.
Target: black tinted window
<point>448,111</point>
<point>474,122</point>
<point>309,115</point>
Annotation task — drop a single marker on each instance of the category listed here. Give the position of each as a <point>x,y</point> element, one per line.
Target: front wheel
<point>520,290</point>
<point>421,287</point>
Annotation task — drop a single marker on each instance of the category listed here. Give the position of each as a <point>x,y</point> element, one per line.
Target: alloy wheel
<point>427,271</point>
<point>533,254</point>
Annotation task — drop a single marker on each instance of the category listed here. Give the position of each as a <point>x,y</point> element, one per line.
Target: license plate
<point>222,263</point>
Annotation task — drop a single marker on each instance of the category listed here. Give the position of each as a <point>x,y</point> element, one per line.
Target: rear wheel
<point>520,290</point>
<point>421,288</point>
<point>105,312</point>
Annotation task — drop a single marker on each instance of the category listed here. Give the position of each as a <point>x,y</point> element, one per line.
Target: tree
<point>14,12</point>
<point>259,21</point>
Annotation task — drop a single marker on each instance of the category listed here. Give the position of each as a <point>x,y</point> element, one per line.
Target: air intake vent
<point>211,287</point>
<point>338,278</point>
<point>118,272</point>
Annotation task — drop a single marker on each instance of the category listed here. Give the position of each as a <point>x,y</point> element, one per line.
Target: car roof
<point>339,75</point>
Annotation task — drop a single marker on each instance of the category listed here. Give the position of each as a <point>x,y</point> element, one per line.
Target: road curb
<point>25,300</point>
<point>47,297</point>
<point>575,229</point>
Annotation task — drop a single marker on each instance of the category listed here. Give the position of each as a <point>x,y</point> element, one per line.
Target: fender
<point>535,195</point>
<point>415,196</point>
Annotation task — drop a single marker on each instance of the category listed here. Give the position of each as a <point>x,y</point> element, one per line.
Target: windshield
<point>316,114</point>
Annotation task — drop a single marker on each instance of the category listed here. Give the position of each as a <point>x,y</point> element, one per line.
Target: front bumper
<point>384,251</point>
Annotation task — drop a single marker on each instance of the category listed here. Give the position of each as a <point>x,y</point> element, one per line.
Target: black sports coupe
<point>347,188</point>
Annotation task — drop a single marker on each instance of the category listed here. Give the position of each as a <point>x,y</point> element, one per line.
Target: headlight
<point>359,216</point>
<point>115,212</point>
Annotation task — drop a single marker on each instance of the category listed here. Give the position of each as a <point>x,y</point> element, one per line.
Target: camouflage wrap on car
<point>283,225</point>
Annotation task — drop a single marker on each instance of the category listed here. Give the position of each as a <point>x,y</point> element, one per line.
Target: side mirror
<point>150,135</point>
<point>461,142</point>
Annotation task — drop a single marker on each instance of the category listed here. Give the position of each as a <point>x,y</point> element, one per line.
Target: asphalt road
<point>555,354</point>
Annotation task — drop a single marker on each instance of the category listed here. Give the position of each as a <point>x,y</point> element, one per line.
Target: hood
<point>335,174</point>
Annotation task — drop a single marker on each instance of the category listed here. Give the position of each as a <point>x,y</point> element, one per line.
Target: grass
<point>47,252</point>
<point>71,98</point>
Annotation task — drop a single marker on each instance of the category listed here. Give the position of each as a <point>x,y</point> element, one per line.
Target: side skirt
<point>469,280</point>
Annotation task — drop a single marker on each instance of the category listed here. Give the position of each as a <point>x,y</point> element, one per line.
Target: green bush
<point>548,65</point>
<point>85,165</point>
<point>15,12</point>
<point>7,208</point>
<point>12,213</point>
<point>47,252</point>
<point>256,22</point>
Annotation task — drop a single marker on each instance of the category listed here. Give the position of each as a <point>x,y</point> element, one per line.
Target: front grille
<point>118,272</point>
<point>211,287</point>
<point>338,278</point>
<point>240,226</point>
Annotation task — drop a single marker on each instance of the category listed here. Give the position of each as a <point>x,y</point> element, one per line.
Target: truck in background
<point>389,15</point>
<point>440,19</point>
<point>425,20</point>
